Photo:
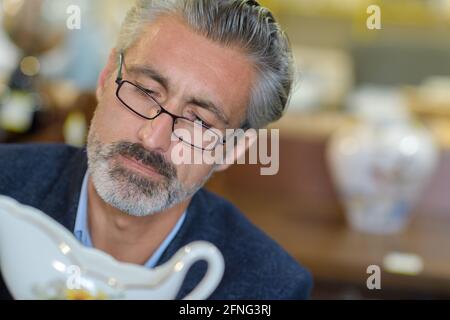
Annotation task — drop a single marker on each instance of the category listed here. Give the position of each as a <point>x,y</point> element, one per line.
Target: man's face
<point>129,156</point>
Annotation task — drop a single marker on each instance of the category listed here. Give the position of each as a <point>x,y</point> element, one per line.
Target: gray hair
<point>240,23</point>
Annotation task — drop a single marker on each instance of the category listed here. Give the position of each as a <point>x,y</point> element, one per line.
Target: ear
<point>244,142</point>
<point>106,73</point>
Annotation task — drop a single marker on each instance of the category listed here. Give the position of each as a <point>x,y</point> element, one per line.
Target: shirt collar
<point>81,229</point>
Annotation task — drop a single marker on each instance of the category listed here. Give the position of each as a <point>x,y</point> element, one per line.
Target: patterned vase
<point>381,163</point>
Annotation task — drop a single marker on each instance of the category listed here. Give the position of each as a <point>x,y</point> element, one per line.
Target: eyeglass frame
<point>120,82</point>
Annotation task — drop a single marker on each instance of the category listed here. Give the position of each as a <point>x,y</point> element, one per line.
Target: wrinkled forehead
<point>195,65</point>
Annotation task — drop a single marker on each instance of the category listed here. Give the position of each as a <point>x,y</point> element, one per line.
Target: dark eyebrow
<point>150,73</point>
<point>208,105</point>
<point>163,81</point>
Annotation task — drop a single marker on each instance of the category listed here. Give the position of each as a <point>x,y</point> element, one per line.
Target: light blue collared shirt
<point>81,229</point>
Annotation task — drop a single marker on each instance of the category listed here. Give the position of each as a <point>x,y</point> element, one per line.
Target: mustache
<point>148,158</point>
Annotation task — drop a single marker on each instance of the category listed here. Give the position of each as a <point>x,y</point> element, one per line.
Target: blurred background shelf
<point>336,55</point>
<point>423,13</point>
<point>339,257</point>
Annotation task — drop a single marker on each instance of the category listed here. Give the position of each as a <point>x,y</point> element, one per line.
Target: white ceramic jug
<point>40,259</point>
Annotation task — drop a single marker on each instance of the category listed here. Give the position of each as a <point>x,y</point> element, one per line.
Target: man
<point>179,67</point>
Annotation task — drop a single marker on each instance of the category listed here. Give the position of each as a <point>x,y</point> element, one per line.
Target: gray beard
<point>131,192</point>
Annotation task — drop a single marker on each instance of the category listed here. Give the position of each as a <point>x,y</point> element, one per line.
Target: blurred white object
<point>324,78</point>
<point>436,90</point>
<point>16,113</point>
<point>382,163</point>
<point>403,263</point>
<point>40,259</point>
<point>8,52</point>
<point>75,129</point>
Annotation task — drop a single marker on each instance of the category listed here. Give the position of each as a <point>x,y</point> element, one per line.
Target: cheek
<point>112,122</point>
<point>190,175</point>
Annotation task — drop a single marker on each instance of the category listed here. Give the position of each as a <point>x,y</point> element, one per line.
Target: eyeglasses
<point>141,102</point>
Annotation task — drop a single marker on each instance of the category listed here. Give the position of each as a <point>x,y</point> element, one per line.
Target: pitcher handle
<point>202,250</point>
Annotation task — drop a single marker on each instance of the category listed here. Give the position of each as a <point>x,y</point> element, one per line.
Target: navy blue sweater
<point>49,177</point>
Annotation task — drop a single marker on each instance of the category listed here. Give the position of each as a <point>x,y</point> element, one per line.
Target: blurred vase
<point>34,27</point>
<point>381,163</point>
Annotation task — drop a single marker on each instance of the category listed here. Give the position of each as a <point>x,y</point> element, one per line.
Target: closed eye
<point>197,118</point>
<point>152,93</point>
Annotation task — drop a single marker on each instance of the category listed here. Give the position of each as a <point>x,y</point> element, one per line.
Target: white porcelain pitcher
<point>40,259</point>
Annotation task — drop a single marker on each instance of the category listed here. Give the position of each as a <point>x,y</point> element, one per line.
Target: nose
<point>155,134</point>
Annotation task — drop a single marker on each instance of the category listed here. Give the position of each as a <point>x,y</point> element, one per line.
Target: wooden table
<point>300,209</point>
<point>338,256</point>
